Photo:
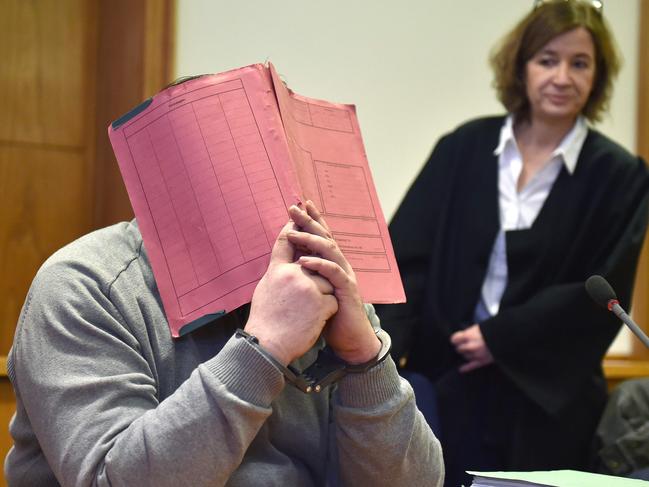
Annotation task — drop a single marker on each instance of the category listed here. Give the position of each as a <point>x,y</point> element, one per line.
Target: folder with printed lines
<point>211,166</point>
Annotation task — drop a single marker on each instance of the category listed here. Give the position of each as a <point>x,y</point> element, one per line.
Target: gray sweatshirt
<point>105,396</point>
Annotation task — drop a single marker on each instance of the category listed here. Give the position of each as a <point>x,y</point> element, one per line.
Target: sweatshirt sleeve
<point>92,399</point>
<point>382,438</point>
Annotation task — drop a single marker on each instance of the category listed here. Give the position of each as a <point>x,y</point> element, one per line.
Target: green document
<point>551,478</point>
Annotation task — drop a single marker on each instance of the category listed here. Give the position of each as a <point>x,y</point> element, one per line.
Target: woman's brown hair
<point>544,23</point>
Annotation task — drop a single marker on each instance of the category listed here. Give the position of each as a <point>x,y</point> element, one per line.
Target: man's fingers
<point>323,284</point>
<point>330,304</point>
<point>320,247</point>
<point>327,269</point>
<point>309,220</point>
<point>283,250</point>
<point>314,213</point>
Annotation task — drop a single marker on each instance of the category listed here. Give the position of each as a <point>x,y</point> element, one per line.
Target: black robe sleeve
<point>423,244</point>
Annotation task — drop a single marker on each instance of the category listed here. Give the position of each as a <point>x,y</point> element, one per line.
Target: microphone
<point>602,293</point>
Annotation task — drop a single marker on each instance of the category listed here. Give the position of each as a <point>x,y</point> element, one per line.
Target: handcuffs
<point>327,368</point>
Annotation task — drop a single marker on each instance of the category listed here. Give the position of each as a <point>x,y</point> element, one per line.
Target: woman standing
<point>495,238</point>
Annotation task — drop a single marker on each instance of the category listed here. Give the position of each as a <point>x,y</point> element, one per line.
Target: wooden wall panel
<point>46,136</point>
<point>48,206</point>
<point>43,73</point>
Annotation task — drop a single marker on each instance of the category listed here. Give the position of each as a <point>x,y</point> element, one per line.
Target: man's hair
<point>544,23</point>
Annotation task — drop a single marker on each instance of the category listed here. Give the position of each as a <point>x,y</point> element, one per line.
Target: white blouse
<point>519,209</point>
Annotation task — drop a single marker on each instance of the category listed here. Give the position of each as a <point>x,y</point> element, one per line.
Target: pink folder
<point>211,166</point>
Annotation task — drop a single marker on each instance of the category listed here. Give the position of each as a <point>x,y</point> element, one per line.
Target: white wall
<point>414,68</point>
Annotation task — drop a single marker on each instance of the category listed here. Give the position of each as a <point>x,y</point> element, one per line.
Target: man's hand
<point>471,345</point>
<point>349,332</point>
<point>290,305</point>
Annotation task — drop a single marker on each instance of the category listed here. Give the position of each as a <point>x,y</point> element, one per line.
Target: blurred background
<point>415,69</point>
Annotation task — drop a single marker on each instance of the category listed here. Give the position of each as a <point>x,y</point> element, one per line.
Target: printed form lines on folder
<point>247,140</point>
<point>181,195</point>
<point>261,177</point>
<point>210,186</point>
<point>339,184</point>
<point>223,285</point>
<point>157,193</point>
<point>197,95</point>
<point>328,118</point>
<point>227,169</point>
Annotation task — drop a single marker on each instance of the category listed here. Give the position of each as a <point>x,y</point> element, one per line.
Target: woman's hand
<point>471,345</point>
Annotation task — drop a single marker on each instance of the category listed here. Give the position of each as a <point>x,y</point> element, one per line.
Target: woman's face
<point>560,76</point>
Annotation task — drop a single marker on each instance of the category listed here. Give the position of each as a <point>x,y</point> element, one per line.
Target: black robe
<point>538,405</point>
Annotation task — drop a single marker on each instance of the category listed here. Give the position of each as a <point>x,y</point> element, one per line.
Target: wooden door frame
<point>636,364</point>
<point>641,301</point>
<point>135,60</point>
